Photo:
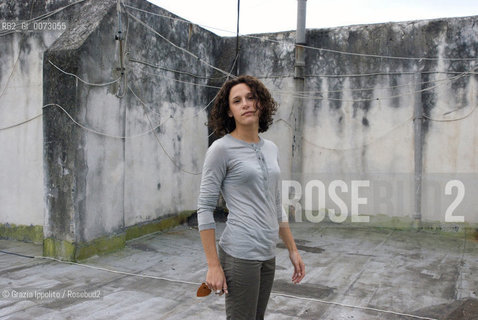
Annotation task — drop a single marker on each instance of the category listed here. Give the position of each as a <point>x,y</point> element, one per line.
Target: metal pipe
<point>119,37</point>
<point>301,14</point>
<point>418,153</point>
<point>236,67</point>
<point>300,39</point>
<point>297,113</point>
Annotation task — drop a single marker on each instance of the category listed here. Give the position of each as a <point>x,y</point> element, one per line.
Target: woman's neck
<point>250,136</point>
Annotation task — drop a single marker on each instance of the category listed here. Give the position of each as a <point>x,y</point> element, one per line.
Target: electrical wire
<point>298,94</point>
<point>279,92</point>
<point>139,275</point>
<point>357,75</point>
<point>84,81</point>
<point>374,74</point>
<point>96,131</point>
<point>175,71</point>
<point>412,84</point>
<point>366,55</point>
<point>273,292</point>
<point>303,96</point>
<point>176,46</point>
<point>174,18</point>
<point>195,115</point>
<point>21,123</point>
<point>315,48</point>
<point>180,81</point>
<point>307,94</point>
<point>451,120</point>
<point>174,162</point>
<point>17,254</point>
<point>351,306</point>
<point>391,97</point>
<point>428,117</point>
<point>81,125</point>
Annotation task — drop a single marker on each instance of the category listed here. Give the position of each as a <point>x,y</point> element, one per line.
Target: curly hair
<point>219,119</point>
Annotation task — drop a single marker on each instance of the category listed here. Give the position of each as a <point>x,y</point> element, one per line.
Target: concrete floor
<point>352,273</point>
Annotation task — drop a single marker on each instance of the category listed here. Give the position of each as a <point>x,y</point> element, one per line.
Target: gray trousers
<point>249,283</point>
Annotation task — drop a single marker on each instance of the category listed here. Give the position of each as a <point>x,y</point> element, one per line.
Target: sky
<point>263,16</point>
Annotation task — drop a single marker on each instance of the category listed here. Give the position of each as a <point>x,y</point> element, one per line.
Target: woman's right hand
<point>215,279</point>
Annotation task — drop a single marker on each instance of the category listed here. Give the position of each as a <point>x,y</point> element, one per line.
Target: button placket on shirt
<point>262,163</point>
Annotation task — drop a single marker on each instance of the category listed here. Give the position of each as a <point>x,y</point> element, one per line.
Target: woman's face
<point>243,105</point>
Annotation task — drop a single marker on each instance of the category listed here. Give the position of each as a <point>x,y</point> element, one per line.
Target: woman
<point>244,168</point>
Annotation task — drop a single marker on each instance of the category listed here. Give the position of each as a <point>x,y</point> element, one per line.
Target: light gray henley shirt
<point>248,176</point>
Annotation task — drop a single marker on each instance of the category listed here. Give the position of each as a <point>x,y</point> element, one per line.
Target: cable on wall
<point>21,123</point>
<point>367,55</point>
<point>84,81</point>
<point>358,75</point>
<point>300,95</point>
<point>173,161</point>
<point>307,93</point>
<point>149,64</point>
<point>391,97</point>
<point>310,47</point>
<point>176,46</point>
<point>195,115</point>
<point>450,120</point>
<point>279,92</point>
<point>174,18</point>
<point>180,81</point>
<point>96,131</point>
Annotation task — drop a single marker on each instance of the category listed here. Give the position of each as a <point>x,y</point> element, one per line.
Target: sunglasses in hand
<point>204,291</point>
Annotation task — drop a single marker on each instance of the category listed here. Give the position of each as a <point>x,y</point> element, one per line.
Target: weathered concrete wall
<point>72,154</point>
<point>358,110</point>
<point>135,153</point>
<point>21,97</point>
<point>159,182</point>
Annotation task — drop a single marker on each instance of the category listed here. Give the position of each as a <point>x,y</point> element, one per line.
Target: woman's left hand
<point>299,267</point>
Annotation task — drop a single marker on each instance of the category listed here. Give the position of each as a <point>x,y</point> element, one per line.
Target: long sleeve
<point>281,214</point>
<point>248,177</point>
<point>214,171</point>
